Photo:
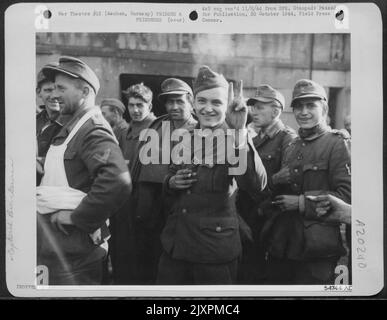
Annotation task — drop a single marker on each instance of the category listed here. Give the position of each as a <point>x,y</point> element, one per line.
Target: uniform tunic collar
<point>71,122</point>
<point>269,131</point>
<point>189,124</point>
<point>204,133</point>
<point>135,127</point>
<point>313,133</point>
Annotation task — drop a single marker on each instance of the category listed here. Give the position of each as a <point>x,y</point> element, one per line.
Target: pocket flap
<point>267,156</point>
<point>218,224</point>
<point>315,166</point>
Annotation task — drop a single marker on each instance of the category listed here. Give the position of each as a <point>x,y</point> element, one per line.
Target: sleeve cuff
<point>301,203</point>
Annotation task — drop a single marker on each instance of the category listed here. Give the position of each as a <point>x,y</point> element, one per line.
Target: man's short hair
<point>42,79</point>
<point>139,91</point>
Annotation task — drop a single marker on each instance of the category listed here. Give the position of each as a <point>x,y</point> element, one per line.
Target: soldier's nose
<point>207,108</point>
<point>304,110</point>
<point>174,106</point>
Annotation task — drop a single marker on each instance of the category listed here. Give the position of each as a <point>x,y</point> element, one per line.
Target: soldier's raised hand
<point>236,115</point>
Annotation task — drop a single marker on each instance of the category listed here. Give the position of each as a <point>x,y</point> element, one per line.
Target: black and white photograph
<point>215,150</point>
<point>109,215</point>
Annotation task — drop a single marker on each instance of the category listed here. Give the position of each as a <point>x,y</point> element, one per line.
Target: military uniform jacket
<point>45,131</point>
<point>202,224</point>
<point>120,129</point>
<point>318,164</point>
<point>146,202</point>
<point>94,164</point>
<point>270,148</point>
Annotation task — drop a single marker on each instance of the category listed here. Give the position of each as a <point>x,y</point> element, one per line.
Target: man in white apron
<point>85,181</point>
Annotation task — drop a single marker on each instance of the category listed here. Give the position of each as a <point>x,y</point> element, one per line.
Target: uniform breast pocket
<point>271,161</point>
<point>218,227</point>
<point>75,168</point>
<point>219,239</point>
<point>316,176</point>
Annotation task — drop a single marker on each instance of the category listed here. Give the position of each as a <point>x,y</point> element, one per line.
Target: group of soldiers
<point>173,223</point>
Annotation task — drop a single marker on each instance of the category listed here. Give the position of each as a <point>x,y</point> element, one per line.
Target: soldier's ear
<point>86,91</point>
<point>116,112</point>
<point>150,106</point>
<point>276,112</point>
<point>325,107</point>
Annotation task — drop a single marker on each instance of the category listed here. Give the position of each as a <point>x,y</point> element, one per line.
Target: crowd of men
<point>171,222</point>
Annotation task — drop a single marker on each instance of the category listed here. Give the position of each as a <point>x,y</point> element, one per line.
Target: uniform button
<point>188,191</point>
<point>218,229</point>
<point>315,168</point>
<point>299,157</point>
<point>269,156</point>
<point>303,144</point>
<point>296,185</point>
<point>295,170</point>
<point>184,210</point>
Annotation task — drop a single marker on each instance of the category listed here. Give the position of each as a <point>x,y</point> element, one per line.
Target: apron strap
<point>80,123</point>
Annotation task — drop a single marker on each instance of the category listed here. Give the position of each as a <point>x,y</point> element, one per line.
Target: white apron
<point>54,193</point>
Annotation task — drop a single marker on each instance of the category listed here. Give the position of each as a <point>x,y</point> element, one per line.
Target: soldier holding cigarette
<point>201,239</point>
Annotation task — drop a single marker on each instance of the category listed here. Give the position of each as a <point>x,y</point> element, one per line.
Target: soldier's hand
<point>236,115</point>
<point>40,165</point>
<point>60,219</point>
<point>287,202</point>
<point>282,176</point>
<point>183,179</point>
<point>331,208</point>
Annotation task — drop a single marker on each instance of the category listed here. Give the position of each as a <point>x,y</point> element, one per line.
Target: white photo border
<point>365,27</point>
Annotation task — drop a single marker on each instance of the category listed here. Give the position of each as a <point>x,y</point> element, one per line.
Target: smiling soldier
<point>48,120</point>
<point>303,247</point>
<point>201,239</point>
<point>85,181</point>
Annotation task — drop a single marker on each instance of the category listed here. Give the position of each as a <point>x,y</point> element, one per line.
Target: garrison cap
<point>139,90</point>
<point>42,78</point>
<point>208,79</point>
<point>266,93</point>
<point>113,103</point>
<point>174,86</point>
<point>305,88</point>
<point>74,68</point>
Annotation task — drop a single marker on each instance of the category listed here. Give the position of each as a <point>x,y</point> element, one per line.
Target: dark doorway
<point>151,81</point>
